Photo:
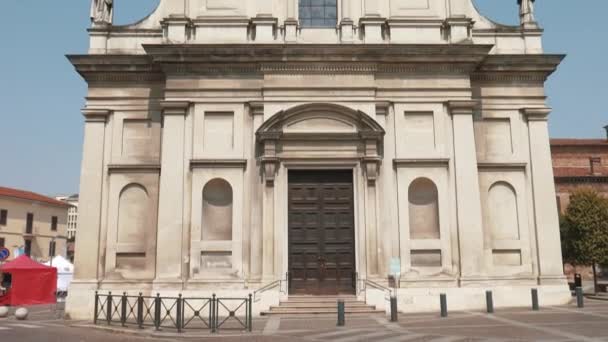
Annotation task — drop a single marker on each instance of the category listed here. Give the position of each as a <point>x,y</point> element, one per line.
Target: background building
<point>232,144</point>
<point>32,223</point>
<point>72,200</point>
<point>579,163</point>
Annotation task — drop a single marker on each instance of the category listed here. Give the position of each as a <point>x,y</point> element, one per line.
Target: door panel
<point>321,232</point>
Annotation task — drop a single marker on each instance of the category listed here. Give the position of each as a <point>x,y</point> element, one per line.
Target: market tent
<point>65,272</point>
<point>32,283</point>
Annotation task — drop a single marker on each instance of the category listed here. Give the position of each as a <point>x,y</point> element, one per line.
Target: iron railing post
<point>140,311</point>
<point>109,308</point>
<point>213,314</point>
<point>340,312</point>
<point>123,309</point>
<point>96,307</point>
<point>157,304</point>
<point>250,314</point>
<point>179,317</point>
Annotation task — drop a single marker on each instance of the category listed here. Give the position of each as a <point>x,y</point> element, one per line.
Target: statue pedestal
<point>99,39</point>
<point>264,27</point>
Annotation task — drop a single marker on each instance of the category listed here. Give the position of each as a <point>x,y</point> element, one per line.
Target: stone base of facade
<point>413,300</point>
<point>80,302</point>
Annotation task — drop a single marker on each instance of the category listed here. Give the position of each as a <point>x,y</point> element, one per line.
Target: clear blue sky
<point>41,95</point>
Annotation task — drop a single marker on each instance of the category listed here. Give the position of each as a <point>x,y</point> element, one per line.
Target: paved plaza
<point>566,323</point>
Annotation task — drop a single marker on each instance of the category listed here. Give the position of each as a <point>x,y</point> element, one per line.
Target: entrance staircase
<point>320,305</point>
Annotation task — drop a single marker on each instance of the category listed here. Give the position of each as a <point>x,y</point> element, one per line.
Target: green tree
<point>584,230</point>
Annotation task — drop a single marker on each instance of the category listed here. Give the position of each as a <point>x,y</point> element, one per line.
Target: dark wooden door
<point>321,232</point>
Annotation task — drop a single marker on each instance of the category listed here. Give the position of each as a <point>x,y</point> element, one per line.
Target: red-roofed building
<point>32,223</point>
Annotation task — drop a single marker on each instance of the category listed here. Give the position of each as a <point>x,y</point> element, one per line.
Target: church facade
<point>318,147</point>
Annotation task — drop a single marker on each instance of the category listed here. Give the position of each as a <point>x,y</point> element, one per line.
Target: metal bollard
<point>96,308</point>
<point>489,302</point>
<point>250,312</point>
<point>140,311</point>
<point>580,302</point>
<point>157,304</point>
<point>535,305</point>
<point>109,308</point>
<point>123,309</point>
<point>394,313</point>
<point>179,321</point>
<point>443,300</point>
<point>340,313</point>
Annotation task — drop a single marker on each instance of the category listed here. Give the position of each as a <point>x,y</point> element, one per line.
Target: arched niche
<point>217,211</point>
<point>423,209</point>
<point>132,216</point>
<point>503,213</point>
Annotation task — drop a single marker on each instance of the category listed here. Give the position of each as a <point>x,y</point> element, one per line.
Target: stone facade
<point>197,115</point>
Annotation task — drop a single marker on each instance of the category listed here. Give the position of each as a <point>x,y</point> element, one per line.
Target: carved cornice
<point>383,107</point>
<point>256,108</point>
<point>116,68</point>
<point>318,68</point>
<point>218,164</point>
<point>134,168</point>
<point>518,68</point>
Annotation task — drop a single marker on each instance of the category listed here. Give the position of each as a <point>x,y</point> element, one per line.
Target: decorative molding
<point>421,162</point>
<point>502,166</point>
<point>270,166</point>
<point>318,68</point>
<point>134,168</point>
<point>371,164</point>
<point>96,115</point>
<point>218,164</point>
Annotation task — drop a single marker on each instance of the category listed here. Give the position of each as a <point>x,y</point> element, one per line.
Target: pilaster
<point>264,26</point>
<point>91,180</point>
<point>176,29</point>
<point>543,189</point>
<point>372,26</point>
<point>169,263</point>
<point>290,30</point>
<point>460,29</point>
<point>468,199</point>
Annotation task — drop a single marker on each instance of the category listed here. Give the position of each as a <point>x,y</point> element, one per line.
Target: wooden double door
<point>321,232</point>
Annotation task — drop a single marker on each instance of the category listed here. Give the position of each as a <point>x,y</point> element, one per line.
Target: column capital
<point>382,107</point>
<point>174,107</point>
<point>256,107</point>
<point>95,114</point>
<point>536,114</point>
<point>465,107</point>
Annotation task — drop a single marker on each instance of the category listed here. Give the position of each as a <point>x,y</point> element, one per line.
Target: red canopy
<point>32,283</point>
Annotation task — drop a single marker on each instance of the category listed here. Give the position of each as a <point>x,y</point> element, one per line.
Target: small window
<point>318,13</point>
<point>28,248</point>
<point>54,223</point>
<point>2,242</point>
<point>29,226</point>
<point>3,215</point>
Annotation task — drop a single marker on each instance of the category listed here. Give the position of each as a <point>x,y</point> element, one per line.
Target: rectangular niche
<point>499,142</point>
<point>426,258</point>
<point>410,4</point>
<point>218,132</point>
<point>131,261</point>
<point>216,260</point>
<point>419,132</point>
<point>506,257</point>
<point>138,139</point>
<point>222,4</point>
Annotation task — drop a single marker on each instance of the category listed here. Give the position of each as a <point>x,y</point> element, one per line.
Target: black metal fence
<point>179,313</point>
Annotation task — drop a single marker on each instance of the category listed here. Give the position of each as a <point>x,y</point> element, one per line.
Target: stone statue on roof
<point>102,11</point>
<point>526,11</point>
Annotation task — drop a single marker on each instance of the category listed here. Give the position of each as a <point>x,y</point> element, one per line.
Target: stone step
<point>321,299</point>
<point>321,304</point>
<point>305,311</point>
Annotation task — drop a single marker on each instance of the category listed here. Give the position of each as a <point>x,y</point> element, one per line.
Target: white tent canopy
<point>65,272</point>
